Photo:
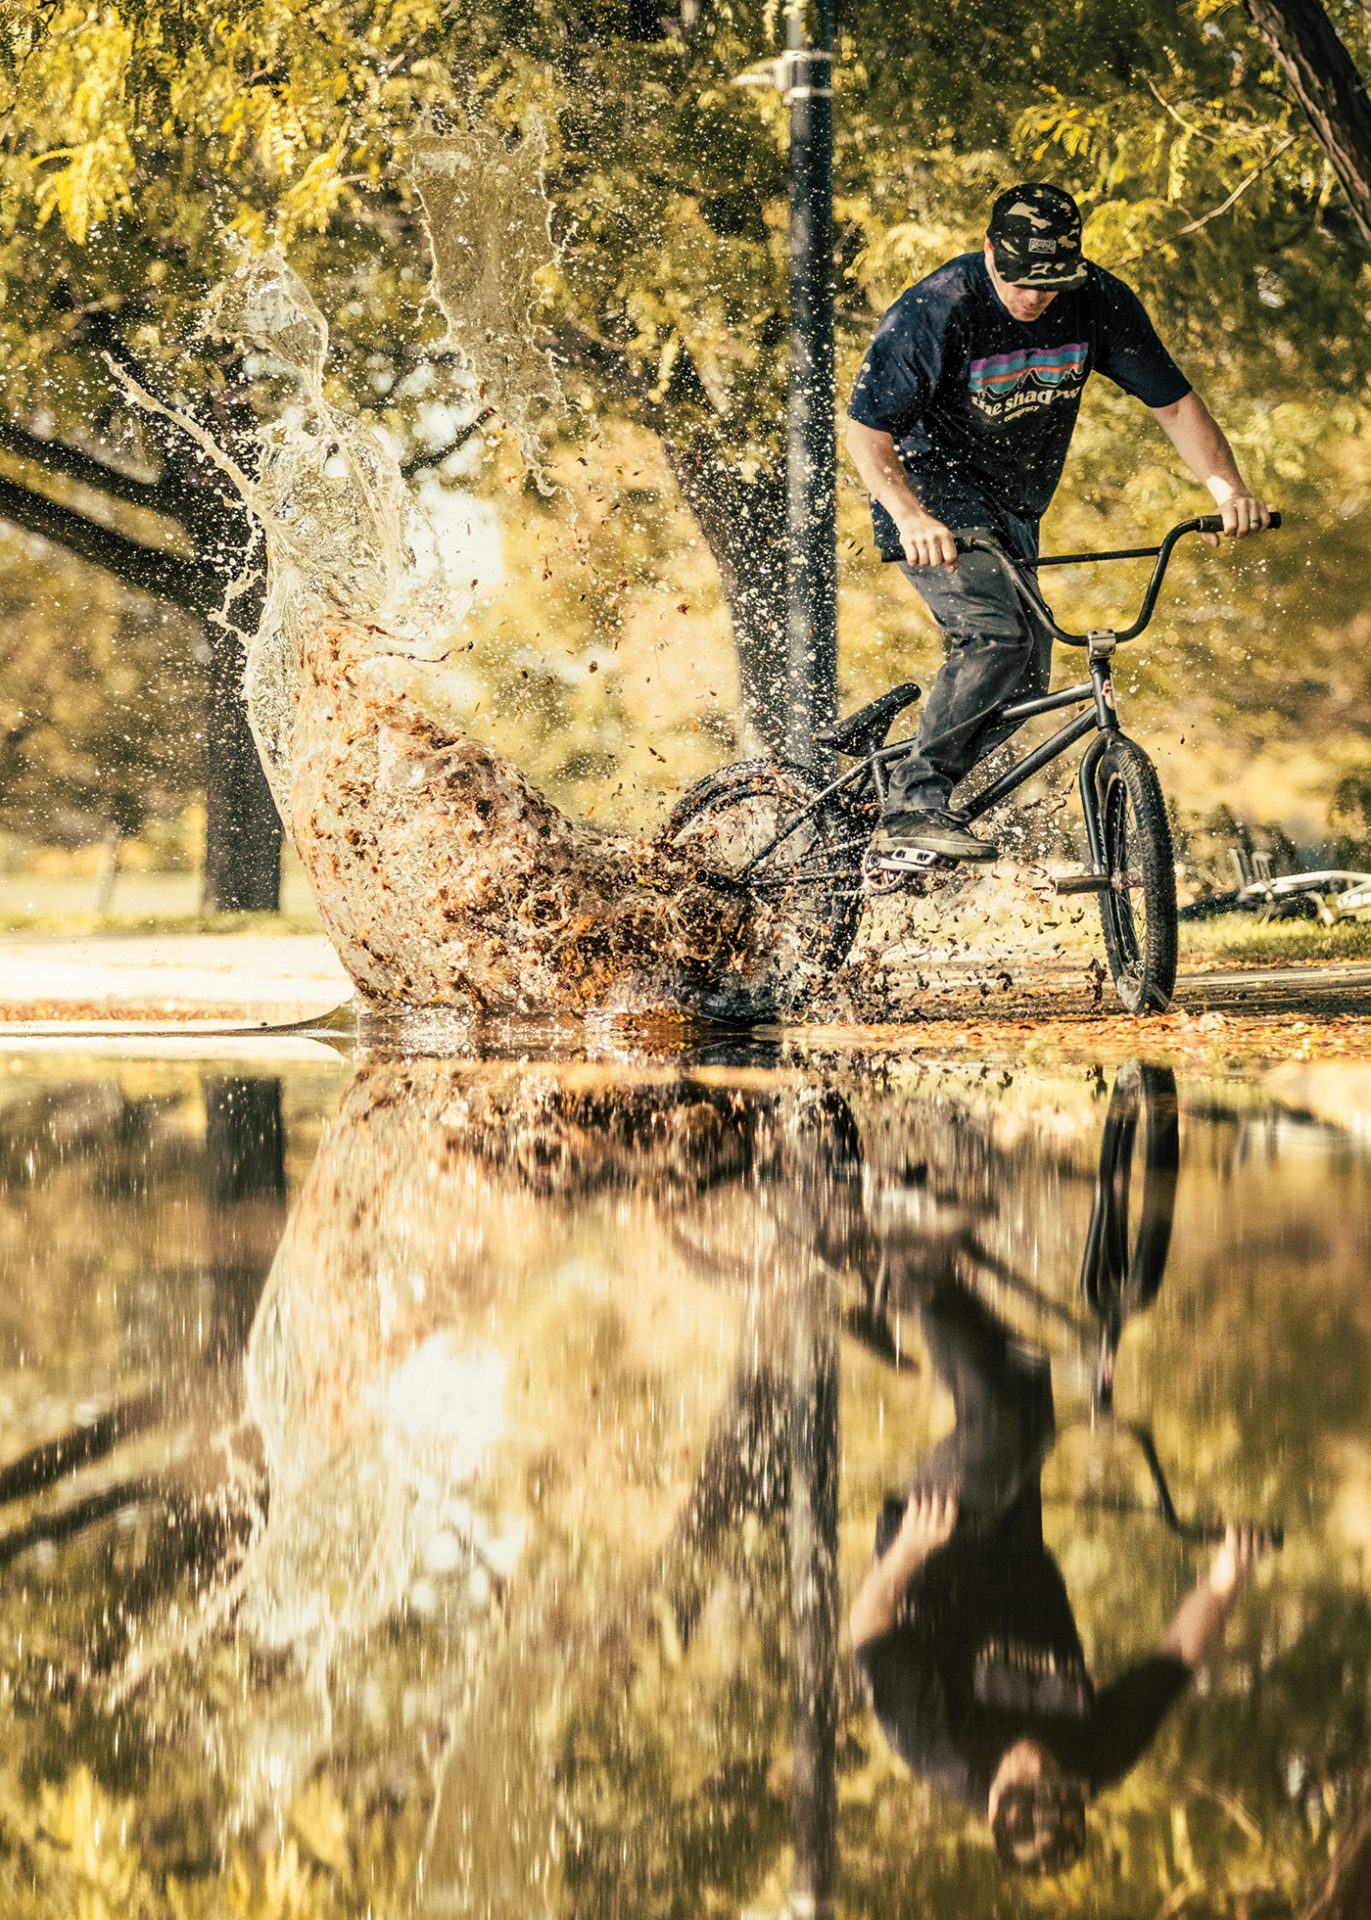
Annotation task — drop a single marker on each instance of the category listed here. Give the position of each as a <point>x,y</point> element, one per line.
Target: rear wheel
<point>1139,910</point>
<point>797,909</point>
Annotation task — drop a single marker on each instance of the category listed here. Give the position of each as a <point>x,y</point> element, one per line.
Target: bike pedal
<point>1083,883</point>
<point>908,860</point>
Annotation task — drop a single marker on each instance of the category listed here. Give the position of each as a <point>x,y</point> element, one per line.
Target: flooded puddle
<point>454,1485</point>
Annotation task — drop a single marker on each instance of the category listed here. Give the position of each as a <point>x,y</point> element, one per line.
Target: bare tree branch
<point>1180,122</point>
<point>57,457</point>
<point>436,456</point>
<point>1345,1889</point>
<point>1238,191</point>
<point>146,569</point>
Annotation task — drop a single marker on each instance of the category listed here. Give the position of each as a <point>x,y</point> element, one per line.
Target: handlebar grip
<point>1213,522</point>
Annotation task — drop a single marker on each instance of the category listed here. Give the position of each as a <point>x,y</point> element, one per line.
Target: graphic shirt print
<point>1005,383</point>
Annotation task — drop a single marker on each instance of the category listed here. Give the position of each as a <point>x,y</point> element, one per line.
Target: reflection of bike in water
<point>824,1200</point>
<point>1124,1262</point>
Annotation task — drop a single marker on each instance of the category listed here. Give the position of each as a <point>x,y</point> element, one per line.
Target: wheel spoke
<point>798,877</point>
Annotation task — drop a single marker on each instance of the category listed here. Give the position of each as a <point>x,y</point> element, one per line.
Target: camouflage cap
<point>1035,235</point>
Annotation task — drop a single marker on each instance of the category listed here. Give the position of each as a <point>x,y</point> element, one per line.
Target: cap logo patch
<point>1041,246</point>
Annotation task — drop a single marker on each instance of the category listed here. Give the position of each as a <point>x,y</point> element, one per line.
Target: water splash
<point>342,530</point>
<point>444,879</point>
<point>489,222</point>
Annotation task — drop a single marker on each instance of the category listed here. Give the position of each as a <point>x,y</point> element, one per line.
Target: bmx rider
<point>960,421</point>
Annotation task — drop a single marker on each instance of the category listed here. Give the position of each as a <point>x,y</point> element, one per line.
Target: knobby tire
<point>1138,913</point>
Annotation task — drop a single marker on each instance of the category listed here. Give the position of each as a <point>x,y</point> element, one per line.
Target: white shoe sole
<point>920,859</point>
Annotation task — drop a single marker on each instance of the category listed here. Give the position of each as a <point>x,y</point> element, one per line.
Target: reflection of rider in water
<point>963,1631</point>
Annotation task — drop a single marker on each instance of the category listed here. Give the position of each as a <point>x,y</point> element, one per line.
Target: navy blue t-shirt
<point>985,1653</point>
<point>982,406</point>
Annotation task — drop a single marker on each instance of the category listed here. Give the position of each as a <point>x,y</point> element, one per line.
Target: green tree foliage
<point>141,140</point>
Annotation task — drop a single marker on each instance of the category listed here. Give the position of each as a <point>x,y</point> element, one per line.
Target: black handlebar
<point>1213,522</point>
<point>1017,571</point>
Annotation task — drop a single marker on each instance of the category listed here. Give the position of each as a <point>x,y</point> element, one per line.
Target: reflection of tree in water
<point>144,1249</point>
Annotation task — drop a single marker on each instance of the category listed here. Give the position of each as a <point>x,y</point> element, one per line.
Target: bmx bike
<point>1123,1264</point>
<point>798,849</point>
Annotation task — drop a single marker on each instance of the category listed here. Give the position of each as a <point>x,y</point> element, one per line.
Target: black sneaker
<point>902,834</point>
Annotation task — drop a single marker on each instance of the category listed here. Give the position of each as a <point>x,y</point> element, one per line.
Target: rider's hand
<point>926,541</point>
<point>928,1522</point>
<point>1242,1548</point>
<point>1242,513</point>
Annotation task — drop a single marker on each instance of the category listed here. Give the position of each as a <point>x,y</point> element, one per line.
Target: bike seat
<point>862,732</point>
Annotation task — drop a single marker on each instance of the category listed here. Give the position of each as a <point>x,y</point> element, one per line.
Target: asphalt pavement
<point>253,981</point>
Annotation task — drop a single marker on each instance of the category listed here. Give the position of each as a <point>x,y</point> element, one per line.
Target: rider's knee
<point>1000,630</point>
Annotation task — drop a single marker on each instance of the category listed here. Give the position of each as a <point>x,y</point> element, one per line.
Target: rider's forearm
<point>877,1606</point>
<point>1198,1624</point>
<point>883,476</point>
<point>929,1518</point>
<point>1201,1617</point>
<point>926,542</point>
<point>1202,444</point>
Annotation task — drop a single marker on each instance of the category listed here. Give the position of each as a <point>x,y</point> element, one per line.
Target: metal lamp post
<point>811,468</point>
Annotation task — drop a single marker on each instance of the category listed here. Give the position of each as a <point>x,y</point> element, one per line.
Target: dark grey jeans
<point>996,651</point>
<point>1002,1396</point>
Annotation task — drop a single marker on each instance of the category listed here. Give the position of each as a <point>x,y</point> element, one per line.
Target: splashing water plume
<point>488,222</point>
<point>331,498</point>
<point>444,878</point>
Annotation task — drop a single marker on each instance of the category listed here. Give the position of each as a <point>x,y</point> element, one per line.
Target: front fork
<point>1101,654</point>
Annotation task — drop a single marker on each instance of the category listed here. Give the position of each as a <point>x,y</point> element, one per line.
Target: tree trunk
<point>743,521</point>
<point>243,832</point>
<point>744,525</point>
<point>1329,88</point>
<point>242,827</point>
<point>245,1186</point>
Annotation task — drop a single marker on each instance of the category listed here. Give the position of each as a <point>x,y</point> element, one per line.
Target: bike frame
<point>1101,718</point>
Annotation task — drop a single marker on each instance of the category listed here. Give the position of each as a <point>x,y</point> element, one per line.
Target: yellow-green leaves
<point>92,181</point>
<point>87,170</point>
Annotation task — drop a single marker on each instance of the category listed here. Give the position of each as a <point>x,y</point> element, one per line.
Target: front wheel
<point>797,907</point>
<point>1139,909</point>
